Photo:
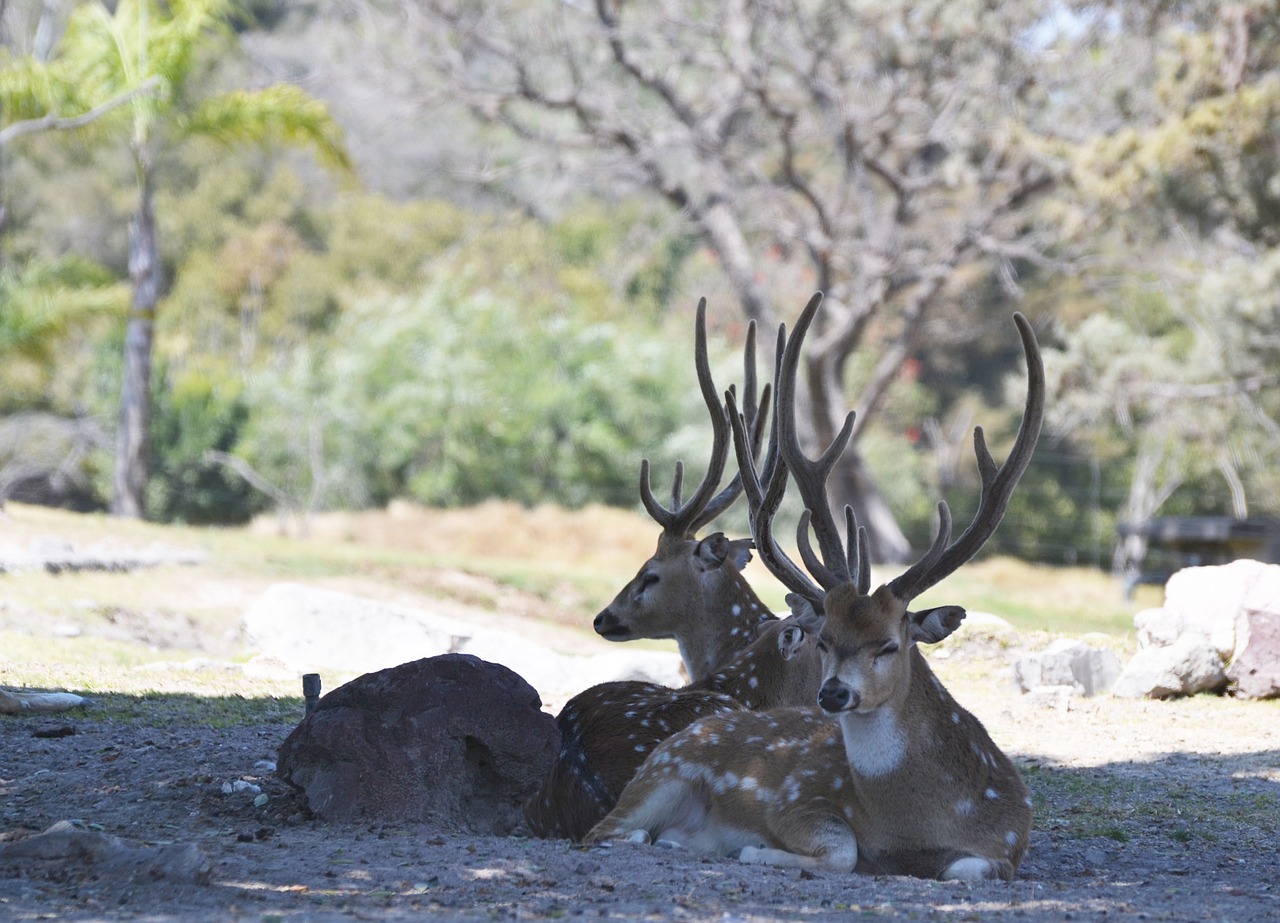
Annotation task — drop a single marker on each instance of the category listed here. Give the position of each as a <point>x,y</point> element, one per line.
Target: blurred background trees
<point>502,306</point>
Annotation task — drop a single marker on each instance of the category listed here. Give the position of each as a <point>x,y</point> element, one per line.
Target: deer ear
<point>806,617</point>
<point>714,550</point>
<point>711,552</point>
<point>790,640</point>
<point>932,625</point>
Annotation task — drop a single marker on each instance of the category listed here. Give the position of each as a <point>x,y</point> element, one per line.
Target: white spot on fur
<point>991,794</point>
<point>955,717</point>
<point>736,610</point>
<point>1011,838</point>
<point>753,682</point>
<point>964,807</point>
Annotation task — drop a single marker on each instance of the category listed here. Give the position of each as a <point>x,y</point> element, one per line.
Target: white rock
<point>1205,600</point>
<point>1068,662</point>
<point>308,630</point>
<point>1187,666</point>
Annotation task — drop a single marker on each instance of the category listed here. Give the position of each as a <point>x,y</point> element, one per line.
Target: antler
<point>687,518</point>
<point>942,559</point>
<point>785,455</point>
<point>837,565</point>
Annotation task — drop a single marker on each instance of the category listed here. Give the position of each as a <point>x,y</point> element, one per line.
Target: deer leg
<point>977,868</point>
<point>812,840</point>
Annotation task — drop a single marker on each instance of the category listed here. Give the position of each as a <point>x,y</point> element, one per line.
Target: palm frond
<point>278,114</point>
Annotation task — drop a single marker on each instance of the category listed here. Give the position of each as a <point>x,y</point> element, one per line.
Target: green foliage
<point>194,412</point>
<point>452,398</point>
<point>41,306</point>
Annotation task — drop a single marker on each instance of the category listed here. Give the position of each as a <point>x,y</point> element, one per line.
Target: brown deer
<point>607,731</point>
<point>693,590</point>
<point>890,774</point>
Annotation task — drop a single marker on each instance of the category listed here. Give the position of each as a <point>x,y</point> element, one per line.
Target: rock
<point>1206,600</point>
<point>1157,627</point>
<point>1187,666</point>
<point>111,857</point>
<point>1255,666</point>
<point>23,702</point>
<point>305,630</point>
<point>452,741</point>
<point>1057,697</point>
<point>1068,662</point>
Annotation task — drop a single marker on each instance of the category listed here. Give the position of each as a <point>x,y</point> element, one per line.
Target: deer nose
<point>836,696</point>
<point>607,626</point>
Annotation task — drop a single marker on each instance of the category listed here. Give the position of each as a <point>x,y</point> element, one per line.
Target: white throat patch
<point>874,743</point>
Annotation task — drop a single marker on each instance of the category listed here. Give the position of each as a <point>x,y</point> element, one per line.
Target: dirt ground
<point>1143,811</point>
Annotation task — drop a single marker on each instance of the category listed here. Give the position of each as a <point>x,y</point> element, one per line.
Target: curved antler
<point>686,518</point>
<point>998,483</point>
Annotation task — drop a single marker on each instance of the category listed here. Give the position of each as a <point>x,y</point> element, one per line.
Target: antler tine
<point>756,413</point>
<point>681,519</point>
<point>811,474</point>
<point>763,501</point>
<point>998,483</point>
<point>859,552</point>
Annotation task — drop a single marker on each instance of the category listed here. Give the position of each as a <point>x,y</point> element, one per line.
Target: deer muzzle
<point>835,696</point>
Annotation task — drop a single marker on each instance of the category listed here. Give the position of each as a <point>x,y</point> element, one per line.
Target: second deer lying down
<point>607,731</point>
<point>693,590</point>
<point>890,774</point>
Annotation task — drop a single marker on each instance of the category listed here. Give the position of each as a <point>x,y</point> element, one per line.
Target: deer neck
<point>731,616</point>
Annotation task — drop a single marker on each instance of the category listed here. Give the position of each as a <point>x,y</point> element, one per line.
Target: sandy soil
<point>1145,811</point>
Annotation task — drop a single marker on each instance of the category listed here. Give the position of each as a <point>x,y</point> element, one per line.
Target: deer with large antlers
<point>890,774</point>
<point>693,590</point>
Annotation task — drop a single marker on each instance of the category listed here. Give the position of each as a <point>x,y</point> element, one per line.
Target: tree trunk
<point>820,412</point>
<point>135,396</point>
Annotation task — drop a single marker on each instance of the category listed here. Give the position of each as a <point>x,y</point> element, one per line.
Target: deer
<point>888,774</point>
<point>606,731</point>
<point>692,590</point>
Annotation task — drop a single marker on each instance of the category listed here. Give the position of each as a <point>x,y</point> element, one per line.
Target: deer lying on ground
<point>607,731</point>
<point>890,774</point>
<point>693,590</point>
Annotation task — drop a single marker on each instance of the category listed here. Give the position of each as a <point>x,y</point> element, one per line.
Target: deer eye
<point>647,581</point>
<point>888,649</point>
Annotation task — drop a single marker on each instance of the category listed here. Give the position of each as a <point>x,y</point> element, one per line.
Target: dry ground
<point>1144,811</point>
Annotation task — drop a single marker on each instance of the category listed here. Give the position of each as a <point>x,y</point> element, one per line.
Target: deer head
<point>693,590</point>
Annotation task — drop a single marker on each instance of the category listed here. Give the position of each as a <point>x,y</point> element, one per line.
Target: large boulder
<point>452,741</point>
<point>1206,600</point>
<point>1232,609</point>
<point>1186,667</point>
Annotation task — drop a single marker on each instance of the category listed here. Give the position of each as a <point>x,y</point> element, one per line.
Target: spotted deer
<point>693,590</point>
<point>607,731</point>
<point>889,774</point>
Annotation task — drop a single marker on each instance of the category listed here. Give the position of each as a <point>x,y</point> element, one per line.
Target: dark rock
<point>451,741</point>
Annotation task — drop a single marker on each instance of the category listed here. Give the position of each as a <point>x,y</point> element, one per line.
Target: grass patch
<point>1118,805</point>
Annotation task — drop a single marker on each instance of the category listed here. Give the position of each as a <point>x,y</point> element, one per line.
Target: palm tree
<point>138,63</point>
